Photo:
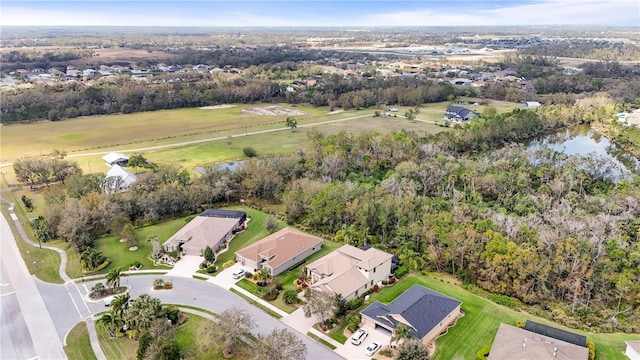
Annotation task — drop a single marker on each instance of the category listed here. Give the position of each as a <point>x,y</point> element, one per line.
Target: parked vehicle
<point>372,348</point>
<point>358,337</point>
<point>108,300</point>
<point>239,274</point>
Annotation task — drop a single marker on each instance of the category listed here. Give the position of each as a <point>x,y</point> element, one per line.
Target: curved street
<point>36,316</point>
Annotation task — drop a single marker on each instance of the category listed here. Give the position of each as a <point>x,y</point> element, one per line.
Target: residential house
<point>633,350</point>
<point>279,251</point>
<point>537,341</point>
<point>458,113</point>
<point>350,271</point>
<point>116,158</point>
<point>117,179</point>
<point>424,312</point>
<point>531,105</point>
<point>213,228</point>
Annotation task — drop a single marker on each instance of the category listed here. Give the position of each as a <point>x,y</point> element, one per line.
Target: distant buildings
<point>531,105</point>
<point>457,113</point>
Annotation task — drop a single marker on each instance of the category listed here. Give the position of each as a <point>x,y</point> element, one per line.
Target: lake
<point>582,140</point>
<point>228,166</point>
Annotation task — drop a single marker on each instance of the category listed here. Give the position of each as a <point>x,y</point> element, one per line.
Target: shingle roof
<point>280,247</point>
<point>202,231</point>
<point>420,308</point>
<point>512,343</point>
<point>459,111</point>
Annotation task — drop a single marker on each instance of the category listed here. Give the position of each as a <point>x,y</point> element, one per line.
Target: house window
<point>374,269</point>
<point>365,286</point>
<point>371,282</point>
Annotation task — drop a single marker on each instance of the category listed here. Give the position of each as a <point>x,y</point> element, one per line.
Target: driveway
<point>353,352</point>
<point>298,321</point>
<point>225,279</point>
<point>186,266</point>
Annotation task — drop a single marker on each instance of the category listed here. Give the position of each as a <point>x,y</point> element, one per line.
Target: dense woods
<point>554,231</point>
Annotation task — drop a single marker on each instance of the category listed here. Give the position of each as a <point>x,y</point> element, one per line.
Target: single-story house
<point>118,178</point>
<point>424,312</point>
<point>116,158</point>
<point>206,230</point>
<point>457,113</point>
<point>279,251</point>
<point>513,343</point>
<point>349,271</point>
<point>633,349</point>
<point>531,105</point>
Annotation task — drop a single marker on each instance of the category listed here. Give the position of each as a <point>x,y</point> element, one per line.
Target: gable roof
<point>112,157</point>
<point>127,178</point>
<point>459,112</point>
<point>279,247</point>
<point>513,343</point>
<point>420,309</point>
<point>202,231</point>
<point>340,268</point>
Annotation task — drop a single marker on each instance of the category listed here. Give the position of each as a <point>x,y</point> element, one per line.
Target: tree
<point>138,160</point>
<point>91,258</point>
<point>98,289</point>
<point>155,245</point>
<point>291,123</point>
<point>113,277</point>
<point>209,255</point>
<point>263,275</point>
<point>111,320</point>
<point>320,303</point>
<point>233,324</point>
<point>412,349</point>
<point>250,152</point>
<point>271,224</point>
<point>128,232</point>
<point>342,306</point>
<point>120,304</point>
<point>489,112</point>
<point>401,332</point>
<point>142,312</point>
<point>229,140</point>
<point>144,342</point>
<point>280,344</point>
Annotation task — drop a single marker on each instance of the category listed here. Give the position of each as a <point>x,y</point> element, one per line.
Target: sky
<point>320,13</point>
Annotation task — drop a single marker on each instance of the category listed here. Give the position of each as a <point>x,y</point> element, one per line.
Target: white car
<point>108,300</point>
<point>372,348</point>
<point>239,274</point>
<point>358,337</point>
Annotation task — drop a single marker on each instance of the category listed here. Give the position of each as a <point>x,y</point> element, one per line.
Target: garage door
<point>384,330</point>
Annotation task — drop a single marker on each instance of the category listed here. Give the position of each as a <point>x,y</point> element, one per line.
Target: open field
<point>482,318</point>
<point>78,343</point>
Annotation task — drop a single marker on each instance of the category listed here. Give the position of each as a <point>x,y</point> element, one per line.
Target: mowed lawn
<point>482,317</point>
<point>78,343</point>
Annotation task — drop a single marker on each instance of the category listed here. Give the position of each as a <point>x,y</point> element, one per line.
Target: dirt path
<point>219,138</point>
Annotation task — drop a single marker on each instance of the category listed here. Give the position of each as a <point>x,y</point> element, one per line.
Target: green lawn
<point>43,263</point>
<point>482,318</point>
<point>78,343</point>
<point>321,341</point>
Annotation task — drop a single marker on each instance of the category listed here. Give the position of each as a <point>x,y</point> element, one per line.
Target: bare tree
<point>233,324</point>
<point>280,344</point>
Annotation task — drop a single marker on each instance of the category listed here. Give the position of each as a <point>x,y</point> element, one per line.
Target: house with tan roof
<point>213,228</point>
<point>279,251</point>
<point>349,271</point>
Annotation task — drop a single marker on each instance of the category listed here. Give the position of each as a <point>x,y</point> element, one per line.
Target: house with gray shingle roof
<point>426,313</point>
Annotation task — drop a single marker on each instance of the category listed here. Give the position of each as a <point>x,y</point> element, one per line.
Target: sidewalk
<point>93,337</point>
<point>259,301</point>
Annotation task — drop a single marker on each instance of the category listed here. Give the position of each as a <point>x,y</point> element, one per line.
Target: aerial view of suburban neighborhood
<point>291,180</point>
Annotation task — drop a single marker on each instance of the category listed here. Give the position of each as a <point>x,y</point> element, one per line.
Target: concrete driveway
<point>186,266</point>
<point>225,279</point>
<point>353,352</point>
<point>298,321</point>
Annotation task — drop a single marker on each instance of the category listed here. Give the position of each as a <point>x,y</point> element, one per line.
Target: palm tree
<point>401,332</point>
<point>111,320</point>
<point>113,278</point>
<point>98,288</point>
<point>263,275</point>
<point>120,304</point>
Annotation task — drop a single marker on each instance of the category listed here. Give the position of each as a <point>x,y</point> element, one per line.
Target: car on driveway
<point>239,274</point>
<point>372,348</point>
<point>358,337</point>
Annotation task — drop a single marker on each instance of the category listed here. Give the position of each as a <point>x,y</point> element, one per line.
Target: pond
<point>582,140</point>
<point>228,166</point>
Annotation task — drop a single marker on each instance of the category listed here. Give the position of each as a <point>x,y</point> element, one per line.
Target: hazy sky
<point>321,13</point>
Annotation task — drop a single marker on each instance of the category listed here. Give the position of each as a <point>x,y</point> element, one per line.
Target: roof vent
<point>555,352</point>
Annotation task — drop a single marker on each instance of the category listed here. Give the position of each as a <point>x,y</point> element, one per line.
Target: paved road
<point>26,326</point>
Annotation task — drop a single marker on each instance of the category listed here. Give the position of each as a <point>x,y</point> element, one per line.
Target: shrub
<point>211,269</point>
<point>504,300</point>
<point>290,296</point>
<point>483,353</point>
<point>353,321</point>
<point>271,224</point>
<point>203,265</point>
<point>401,271</point>
<point>158,284</point>
<point>250,152</point>
<point>228,264</point>
<point>174,254</point>
<point>392,280</point>
<point>277,285</point>
<point>248,275</point>
<point>137,264</point>
<point>376,288</point>
<point>168,285</point>
<point>355,303</point>
<point>385,282</point>
<point>386,352</point>
<point>592,350</point>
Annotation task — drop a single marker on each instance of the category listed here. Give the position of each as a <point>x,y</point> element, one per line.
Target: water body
<point>228,166</point>
<point>582,140</point>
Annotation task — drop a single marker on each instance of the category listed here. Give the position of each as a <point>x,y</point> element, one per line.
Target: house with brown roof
<point>349,271</point>
<point>633,350</point>
<point>279,251</point>
<point>212,228</point>
<point>512,343</point>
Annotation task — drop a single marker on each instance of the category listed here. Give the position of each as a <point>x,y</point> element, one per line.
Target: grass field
<point>482,318</point>
<point>78,343</point>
